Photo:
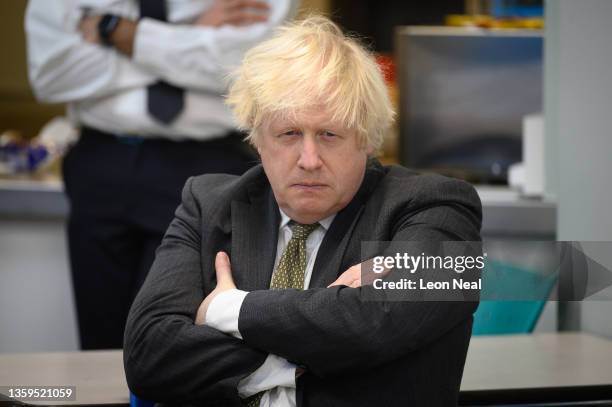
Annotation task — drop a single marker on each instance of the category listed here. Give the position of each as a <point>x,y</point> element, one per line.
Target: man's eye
<point>290,133</point>
<point>329,134</point>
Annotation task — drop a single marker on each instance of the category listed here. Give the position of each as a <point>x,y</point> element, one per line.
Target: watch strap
<point>106,27</point>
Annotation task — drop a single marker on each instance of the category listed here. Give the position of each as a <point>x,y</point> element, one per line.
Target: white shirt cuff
<point>274,372</point>
<point>224,310</point>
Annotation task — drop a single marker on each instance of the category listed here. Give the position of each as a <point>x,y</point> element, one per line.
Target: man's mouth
<point>308,185</point>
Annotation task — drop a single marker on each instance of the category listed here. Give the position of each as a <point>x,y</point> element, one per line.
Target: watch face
<point>107,26</point>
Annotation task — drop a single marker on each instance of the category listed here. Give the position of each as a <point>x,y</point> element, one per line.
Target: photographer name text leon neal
<point>408,284</point>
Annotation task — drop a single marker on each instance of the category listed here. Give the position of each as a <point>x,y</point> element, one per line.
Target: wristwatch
<point>106,27</point>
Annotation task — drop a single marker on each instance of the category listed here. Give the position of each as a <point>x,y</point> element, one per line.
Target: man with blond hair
<point>255,297</point>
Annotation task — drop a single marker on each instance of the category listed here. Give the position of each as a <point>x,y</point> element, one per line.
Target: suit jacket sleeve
<point>330,330</point>
<point>166,356</point>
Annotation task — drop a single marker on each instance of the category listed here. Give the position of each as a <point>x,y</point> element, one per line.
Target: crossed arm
<point>66,62</point>
<point>199,363</point>
<point>239,13</point>
<point>330,330</point>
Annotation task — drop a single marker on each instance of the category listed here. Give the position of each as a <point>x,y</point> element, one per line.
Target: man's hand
<point>350,278</point>
<point>234,12</point>
<point>225,282</point>
<point>88,26</point>
<point>356,277</point>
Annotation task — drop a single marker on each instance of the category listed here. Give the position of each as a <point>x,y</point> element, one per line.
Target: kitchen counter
<point>505,212</point>
<point>23,197</point>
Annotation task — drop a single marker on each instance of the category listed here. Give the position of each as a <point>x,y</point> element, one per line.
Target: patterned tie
<point>292,265</point>
<point>289,273</point>
<point>164,100</point>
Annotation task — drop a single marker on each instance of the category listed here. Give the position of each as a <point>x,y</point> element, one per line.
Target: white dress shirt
<point>107,90</point>
<point>276,376</point>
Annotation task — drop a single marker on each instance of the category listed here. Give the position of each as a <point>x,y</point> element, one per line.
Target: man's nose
<point>310,158</point>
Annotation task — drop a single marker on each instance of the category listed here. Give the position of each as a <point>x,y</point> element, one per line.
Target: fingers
<point>225,281</point>
<point>88,26</point>
<point>248,4</point>
<point>354,283</point>
<point>201,314</point>
<point>224,270</point>
<point>241,17</point>
<point>235,12</point>
<point>349,282</point>
<point>245,12</point>
<point>350,278</point>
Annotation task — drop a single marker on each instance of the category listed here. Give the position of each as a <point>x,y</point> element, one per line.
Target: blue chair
<point>505,316</point>
<point>136,402</point>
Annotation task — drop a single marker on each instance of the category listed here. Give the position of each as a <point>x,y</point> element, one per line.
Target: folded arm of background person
<point>331,330</point>
<point>65,68</point>
<point>200,57</point>
<point>167,357</point>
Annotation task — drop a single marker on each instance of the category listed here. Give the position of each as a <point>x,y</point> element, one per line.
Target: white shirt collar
<point>325,223</point>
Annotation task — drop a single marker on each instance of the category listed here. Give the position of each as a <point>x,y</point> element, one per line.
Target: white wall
<point>36,302</point>
<point>578,110</point>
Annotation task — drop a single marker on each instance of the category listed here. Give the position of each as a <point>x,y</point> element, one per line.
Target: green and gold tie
<point>289,273</point>
<point>292,265</point>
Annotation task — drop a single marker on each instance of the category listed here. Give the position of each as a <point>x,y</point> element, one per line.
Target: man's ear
<point>370,150</point>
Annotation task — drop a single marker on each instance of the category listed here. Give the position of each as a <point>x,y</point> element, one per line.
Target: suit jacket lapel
<point>254,239</point>
<point>331,252</point>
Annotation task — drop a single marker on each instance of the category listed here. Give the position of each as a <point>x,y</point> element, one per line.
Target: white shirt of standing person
<point>106,89</point>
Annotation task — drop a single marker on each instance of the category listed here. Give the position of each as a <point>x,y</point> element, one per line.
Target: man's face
<point>315,166</point>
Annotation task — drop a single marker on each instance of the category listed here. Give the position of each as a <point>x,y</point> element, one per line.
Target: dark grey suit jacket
<point>357,353</point>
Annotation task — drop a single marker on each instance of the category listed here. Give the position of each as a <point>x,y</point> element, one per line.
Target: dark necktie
<point>164,100</point>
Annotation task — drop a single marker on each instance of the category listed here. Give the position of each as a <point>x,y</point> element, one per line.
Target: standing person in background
<point>144,81</point>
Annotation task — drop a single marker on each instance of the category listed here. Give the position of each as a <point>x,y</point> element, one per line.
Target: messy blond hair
<point>308,63</point>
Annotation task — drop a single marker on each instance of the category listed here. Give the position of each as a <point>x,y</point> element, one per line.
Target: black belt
<point>130,139</point>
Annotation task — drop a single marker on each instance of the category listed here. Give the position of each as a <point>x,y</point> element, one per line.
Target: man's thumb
<point>223,269</point>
